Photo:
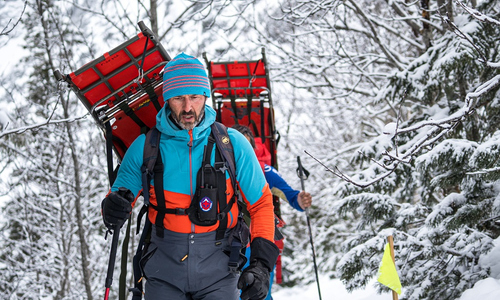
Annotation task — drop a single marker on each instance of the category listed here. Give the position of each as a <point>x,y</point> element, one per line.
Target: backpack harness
<point>209,197</point>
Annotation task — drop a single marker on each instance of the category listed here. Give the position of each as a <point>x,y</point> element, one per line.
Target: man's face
<point>187,110</point>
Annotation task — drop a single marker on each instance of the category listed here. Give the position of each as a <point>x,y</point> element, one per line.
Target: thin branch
<point>484,171</point>
<point>35,126</point>
<point>38,166</point>
<point>477,15</point>
<point>6,31</point>
<point>466,37</point>
<point>376,39</point>
<point>346,178</point>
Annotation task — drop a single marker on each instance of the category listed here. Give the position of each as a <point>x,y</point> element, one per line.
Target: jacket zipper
<point>190,145</point>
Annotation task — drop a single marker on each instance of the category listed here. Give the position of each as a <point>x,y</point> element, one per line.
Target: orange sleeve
<point>262,216</point>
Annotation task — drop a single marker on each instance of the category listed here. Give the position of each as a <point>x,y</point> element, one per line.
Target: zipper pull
<point>190,144</point>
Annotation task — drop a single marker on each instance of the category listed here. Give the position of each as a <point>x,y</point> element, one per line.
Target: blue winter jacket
<point>280,187</point>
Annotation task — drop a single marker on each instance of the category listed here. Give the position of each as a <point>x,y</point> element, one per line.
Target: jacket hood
<point>165,125</point>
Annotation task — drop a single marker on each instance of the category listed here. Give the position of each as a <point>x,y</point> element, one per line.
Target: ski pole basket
<point>122,89</point>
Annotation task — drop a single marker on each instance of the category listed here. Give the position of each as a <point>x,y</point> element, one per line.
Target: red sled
<point>122,89</point>
<point>241,94</point>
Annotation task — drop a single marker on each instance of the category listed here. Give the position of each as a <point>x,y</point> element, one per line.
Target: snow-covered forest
<point>393,106</point>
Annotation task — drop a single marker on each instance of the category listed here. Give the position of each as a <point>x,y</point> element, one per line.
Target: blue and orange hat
<point>185,75</point>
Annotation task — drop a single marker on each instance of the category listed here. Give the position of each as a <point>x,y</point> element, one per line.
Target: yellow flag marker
<point>387,274</point>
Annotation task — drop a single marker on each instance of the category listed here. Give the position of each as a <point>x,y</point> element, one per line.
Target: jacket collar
<point>166,125</point>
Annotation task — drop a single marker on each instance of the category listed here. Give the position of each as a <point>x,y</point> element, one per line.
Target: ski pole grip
<point>300,173</point>
<point>112,257</point>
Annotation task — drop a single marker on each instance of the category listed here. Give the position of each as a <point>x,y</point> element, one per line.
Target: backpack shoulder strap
<point>151,151</point>
<point>150,156</point>
<point>226,149</point>
<point>226,153</point>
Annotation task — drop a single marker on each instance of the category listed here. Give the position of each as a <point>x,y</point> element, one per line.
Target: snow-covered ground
<point>487,289</point>
<point>330,289</point>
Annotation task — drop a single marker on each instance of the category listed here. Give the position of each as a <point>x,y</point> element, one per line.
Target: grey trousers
<point>188,267</point>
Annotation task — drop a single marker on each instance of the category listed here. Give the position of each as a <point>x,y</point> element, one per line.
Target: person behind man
<point>184,260</point>
<point>300,200</point>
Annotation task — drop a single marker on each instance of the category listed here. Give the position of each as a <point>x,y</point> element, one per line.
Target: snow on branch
<point>480,17</point>
<point>484,171</point>
<point>38,166</point>
<point>464,36</point>
<point>391,57</point>
<point>477,15</point>
<point>35,126</point>
<point>346,178</point>
<point>471,98</point>
<point>429,132</point>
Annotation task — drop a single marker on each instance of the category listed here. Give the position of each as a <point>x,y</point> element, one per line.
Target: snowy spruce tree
<point>430,178</point>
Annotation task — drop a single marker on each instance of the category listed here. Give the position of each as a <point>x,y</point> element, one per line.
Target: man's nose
<point>187,104</point>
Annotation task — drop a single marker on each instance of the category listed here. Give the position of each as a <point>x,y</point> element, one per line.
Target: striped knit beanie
<point>185,75</point>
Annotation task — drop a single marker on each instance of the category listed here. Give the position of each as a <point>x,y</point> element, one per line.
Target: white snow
<point>4,120</point>
<point>487,289</point>
<point>390,129</point>
<point>330,289</point>
<point>492,261</point>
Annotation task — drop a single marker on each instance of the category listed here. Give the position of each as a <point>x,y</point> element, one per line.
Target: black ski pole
<point>304,174</point>
<point>111,263</point>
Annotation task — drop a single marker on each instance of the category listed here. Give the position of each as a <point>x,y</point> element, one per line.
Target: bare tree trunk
<point>84,249</point>
<point>413,25</point>
<point>445,8</point>
<point>66,242</point>
<point>154,16</point>
<point>81,230</point>
<point>426,28</point>
<point>449,8</point>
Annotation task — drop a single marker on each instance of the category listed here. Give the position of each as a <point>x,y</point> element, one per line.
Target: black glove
<point>254,280</point>
<point>116,208</point>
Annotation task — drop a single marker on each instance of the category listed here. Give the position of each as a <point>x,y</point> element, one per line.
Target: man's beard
<point>189,126</point>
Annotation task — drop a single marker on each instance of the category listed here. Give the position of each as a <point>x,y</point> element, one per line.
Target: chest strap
<point>220,167</point>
